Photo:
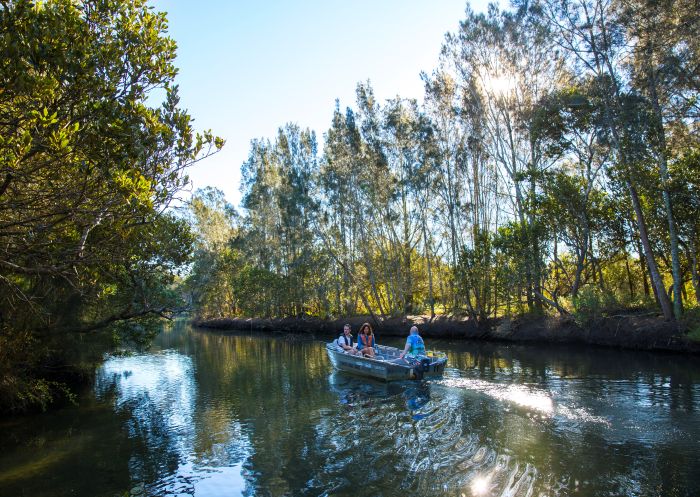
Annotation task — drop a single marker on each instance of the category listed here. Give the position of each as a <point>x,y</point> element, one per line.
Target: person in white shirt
<point>345,342</point>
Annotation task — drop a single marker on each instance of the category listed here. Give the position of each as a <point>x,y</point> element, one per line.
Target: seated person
<point>345,343</point>
<point>415,347</point>
<point>365,341</point>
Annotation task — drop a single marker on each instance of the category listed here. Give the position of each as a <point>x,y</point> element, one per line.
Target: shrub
<point>691,320</point>
<point>591,303</point>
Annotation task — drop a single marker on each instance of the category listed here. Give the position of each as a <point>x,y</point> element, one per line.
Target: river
<point>210,414</point>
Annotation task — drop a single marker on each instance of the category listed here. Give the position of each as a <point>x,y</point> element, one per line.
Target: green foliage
<point>692,323</point>
<point>88,168</point>
<point>475,275</point>
<point>591,304</point>
<point>532,179</point>
<point>549,168</point>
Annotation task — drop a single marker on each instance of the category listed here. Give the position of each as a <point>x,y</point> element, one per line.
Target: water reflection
<point>158,393</point>
<point>210,414</point>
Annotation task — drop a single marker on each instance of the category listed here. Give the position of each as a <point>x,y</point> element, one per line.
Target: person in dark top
<point>345,342</point>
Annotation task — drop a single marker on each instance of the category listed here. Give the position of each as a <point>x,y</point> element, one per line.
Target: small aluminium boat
<point>387,365</point>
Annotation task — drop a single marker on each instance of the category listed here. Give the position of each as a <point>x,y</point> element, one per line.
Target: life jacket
<point>366,340</point>
<point>348,340</point>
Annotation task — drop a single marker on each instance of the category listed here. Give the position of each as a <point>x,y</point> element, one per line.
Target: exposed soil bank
<point>624,331</point>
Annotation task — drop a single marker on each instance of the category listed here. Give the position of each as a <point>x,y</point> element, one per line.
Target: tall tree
<point>592,33</point>
<point>664,70</point>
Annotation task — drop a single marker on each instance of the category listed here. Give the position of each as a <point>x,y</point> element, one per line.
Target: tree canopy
<point>89,165</point>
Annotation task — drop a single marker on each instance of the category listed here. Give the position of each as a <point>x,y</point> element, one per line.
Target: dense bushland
<point>552,167</point>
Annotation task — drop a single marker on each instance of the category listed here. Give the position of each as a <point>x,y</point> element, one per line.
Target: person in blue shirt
<point>415,346</point>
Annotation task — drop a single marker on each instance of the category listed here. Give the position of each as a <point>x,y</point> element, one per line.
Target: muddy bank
<point>623,331</point>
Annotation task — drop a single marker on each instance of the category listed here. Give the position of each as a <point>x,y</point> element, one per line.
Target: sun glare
<point>500,85</point>
<point>480,485</point>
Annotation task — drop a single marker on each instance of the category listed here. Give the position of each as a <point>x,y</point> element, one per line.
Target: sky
<point>248,67</point>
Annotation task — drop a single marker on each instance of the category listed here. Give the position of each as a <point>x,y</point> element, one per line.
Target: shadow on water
<point>212,414</point>
<point>353,392</point>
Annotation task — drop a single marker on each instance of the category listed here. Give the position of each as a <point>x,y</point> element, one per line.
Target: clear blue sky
<point>248,67</point>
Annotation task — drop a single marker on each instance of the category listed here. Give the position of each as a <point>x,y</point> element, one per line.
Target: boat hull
<point>382,368</point>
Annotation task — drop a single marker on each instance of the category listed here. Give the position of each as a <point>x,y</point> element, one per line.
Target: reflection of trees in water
<point>534,360</point>
<point>273,418</point>
<point>271,406</point>
<point>406,438</point>
<point>155,395</point>
<point>74,451</point>
<point>273,388</point>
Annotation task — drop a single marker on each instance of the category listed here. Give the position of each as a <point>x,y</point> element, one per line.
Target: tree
<point>505,63</point>
<point>664,70</point>
<point>214,224</point>
<point>277,236</point>
<point>89,169</point>
<point>592,33</point>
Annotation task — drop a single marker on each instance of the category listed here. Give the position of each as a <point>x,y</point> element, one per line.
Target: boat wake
<point>531,398</point>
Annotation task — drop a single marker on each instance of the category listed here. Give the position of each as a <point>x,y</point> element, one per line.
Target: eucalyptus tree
<point>568,123</point>
<point>686,173</point>
<point>214,223</point>
<point>375,205</point>
<point>260,176</point>
<point>591,32</point>
<point>354,192</point>
<point>449,179</point>
<point>277,197</point>
<point>664,68</point>
<point>297,155</point>
<point>505,64</point>
<point>408,150</point>
<point>339,191</point>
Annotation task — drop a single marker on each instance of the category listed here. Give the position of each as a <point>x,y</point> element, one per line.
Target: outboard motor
<point>420,368</point>
<point>418,372</point>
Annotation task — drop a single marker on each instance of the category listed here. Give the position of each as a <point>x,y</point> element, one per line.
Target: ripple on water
<point>230,427</point>
<point>435,453</point>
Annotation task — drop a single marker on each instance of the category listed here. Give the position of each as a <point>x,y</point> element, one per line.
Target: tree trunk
<point>642,267</point>
<point>582,252</point>
<point>556,265</point>
<point>426,248</point>
<point>350,275</point>
<point>552,303</point>
<point>672,233</point>
<point>656,280</point>
<point>649,69</point>
<point>694,269</point>
<point>629,275</point>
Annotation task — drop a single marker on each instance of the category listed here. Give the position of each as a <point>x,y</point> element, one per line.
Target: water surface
<point>209,414</point>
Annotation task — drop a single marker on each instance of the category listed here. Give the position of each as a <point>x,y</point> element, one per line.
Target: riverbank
<point>629,331</point>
